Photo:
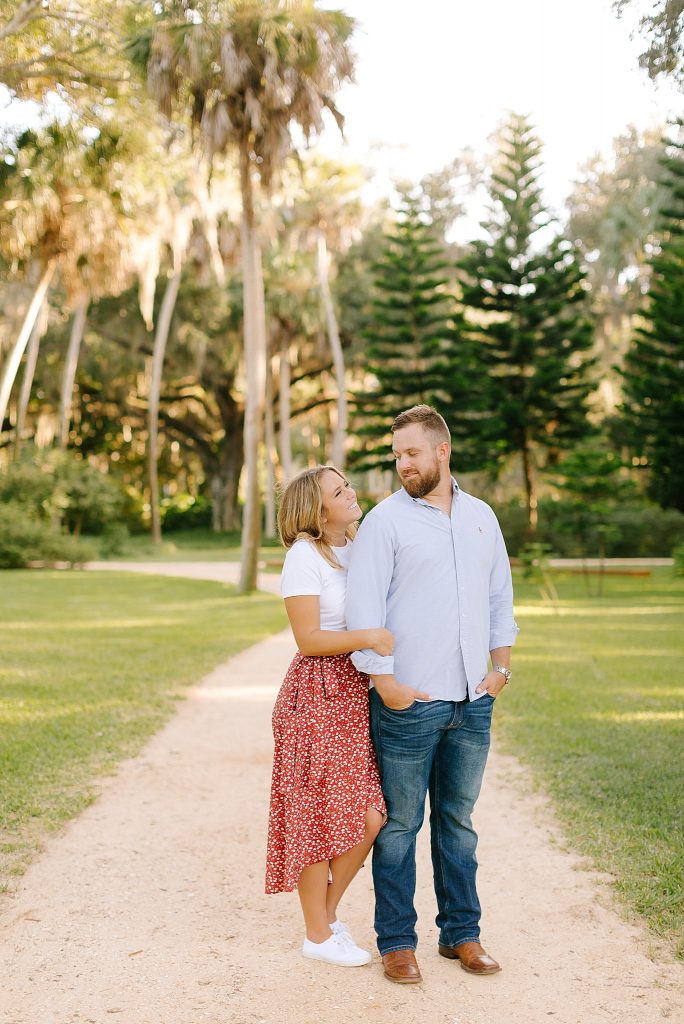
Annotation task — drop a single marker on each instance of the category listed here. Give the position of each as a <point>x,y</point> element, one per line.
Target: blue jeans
<point>442,747</point>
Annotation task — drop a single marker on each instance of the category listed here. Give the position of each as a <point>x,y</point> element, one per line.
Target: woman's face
<point>340,508</point>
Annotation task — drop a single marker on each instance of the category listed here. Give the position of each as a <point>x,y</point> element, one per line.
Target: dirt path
<point>149,909</point>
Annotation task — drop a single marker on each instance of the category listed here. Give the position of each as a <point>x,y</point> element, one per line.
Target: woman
<point>326,803</point>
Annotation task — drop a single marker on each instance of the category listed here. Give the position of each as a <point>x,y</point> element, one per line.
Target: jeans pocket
<point>398,711</point>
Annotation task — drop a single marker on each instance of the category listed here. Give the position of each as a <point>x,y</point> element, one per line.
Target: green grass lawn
<point>92,665</point>
<point>596,709</point>
<point>198,545</point>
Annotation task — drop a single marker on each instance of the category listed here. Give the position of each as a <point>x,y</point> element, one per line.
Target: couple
<point>417,603</point>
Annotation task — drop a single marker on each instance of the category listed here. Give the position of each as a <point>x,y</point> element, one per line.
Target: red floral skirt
<point>324,771</point>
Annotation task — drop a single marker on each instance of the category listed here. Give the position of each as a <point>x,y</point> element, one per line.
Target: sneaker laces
<point>345,940</point>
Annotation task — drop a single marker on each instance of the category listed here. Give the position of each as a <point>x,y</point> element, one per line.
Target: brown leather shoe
<point>473,957</point>
<point>401,966</point>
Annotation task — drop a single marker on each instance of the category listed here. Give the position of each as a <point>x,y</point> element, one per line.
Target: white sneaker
<point>339,949</point>
<point>340,928</point>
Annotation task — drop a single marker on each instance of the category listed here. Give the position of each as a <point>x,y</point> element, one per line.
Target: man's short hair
<point>428,418</point>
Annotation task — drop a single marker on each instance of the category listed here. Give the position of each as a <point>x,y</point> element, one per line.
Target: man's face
<point>418,460</point>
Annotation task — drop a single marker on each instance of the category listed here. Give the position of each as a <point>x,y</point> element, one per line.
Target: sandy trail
<point>149,909</point>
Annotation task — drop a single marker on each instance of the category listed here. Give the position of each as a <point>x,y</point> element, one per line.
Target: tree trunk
<point>340,427</point>
<point>227,468</point>
<point>230,513</point>
<point>530,488</point>
<point>37,333</point>
<point>285,373</point>
<point>255,376</point>
<point>161,337</point>
<point>14,358</point>
<point>271,456</point>
<point>69,375</point>
<point>216,491</point>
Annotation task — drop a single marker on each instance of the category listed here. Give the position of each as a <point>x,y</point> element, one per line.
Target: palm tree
<point>246,72</point>
<point>190,203</point>
<point>182,226</point>
<point>32,224</point>
<point>327,205</point>
<point>65,204</point>
<point>37,333</point>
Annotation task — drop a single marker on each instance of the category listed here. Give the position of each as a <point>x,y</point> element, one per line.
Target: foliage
<point>80,195</point>
<point>354,285</point>
<point>56,485</point>
<point>25,538</point>
<point>678,556</point>
<point>416,352</point>
<point>525,310</point>
<point>245,73</point>
<point>643,529</point>
<point>201,404</point>
<point>535,560</point>
<point>73,48</point>
<point>662,31</point>
<point>612,215</point>
<point>635,529</point>
<point>591,478</point>
<point>185,512</point>
<point>653,407</point>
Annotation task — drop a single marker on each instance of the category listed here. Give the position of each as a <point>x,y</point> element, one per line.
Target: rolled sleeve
<point>503,629</point>
<point>368,583</point>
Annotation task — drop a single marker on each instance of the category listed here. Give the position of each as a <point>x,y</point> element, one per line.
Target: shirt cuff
<point>372,664</point>
<point>503,639</point>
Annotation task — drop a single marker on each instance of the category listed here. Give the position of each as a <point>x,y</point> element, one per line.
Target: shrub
<point>646,530</point>
<point>24,538</point>
<point>58,485</point>
<point>627,530</point>
<point>678,555</point>
<point>185,512</point>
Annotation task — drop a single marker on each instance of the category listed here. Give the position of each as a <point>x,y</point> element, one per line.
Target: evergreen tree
<point>416,350</point>
<point>524,303</point>
<point>653,408</point>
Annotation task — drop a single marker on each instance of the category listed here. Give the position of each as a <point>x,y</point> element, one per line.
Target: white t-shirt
<point>306,572</point>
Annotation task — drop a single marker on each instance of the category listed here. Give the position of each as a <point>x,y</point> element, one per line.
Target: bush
<point>24,538</point>
<point>185,512</point>
<point>646,530</point>
<point>630,530</point>
<point>57,485</point>
<point>678,555</point>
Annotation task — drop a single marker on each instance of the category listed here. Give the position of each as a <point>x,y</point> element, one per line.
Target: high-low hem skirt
<point>325,775</point>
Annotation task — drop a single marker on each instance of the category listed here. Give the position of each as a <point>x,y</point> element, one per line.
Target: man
<point>430,564</point>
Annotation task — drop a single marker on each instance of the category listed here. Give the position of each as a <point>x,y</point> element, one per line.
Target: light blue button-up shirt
<point>441,584</point>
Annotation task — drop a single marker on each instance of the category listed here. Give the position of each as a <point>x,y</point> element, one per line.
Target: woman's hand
<point>381,641</point>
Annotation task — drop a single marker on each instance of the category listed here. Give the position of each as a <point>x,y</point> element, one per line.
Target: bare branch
<point>99,26</point>
<point>22,16</point>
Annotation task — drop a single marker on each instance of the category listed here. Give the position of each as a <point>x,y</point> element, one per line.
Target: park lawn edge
<point>85,777</point>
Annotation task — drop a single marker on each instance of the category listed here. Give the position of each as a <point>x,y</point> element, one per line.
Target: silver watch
<point>505,672</point>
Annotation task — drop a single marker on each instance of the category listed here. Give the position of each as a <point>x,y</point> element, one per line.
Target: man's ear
<point>444,451</point>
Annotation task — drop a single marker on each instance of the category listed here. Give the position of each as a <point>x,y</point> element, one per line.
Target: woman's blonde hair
<point>300,515</point>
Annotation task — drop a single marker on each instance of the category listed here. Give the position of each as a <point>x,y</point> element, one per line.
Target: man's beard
<point>422,483</point>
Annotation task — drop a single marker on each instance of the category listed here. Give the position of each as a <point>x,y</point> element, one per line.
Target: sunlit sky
<point>435,76</point>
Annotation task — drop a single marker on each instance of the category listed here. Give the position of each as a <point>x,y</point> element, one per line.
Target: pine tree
<point>653,406</point>
<point>524,304</point>
<point>416,350</point>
